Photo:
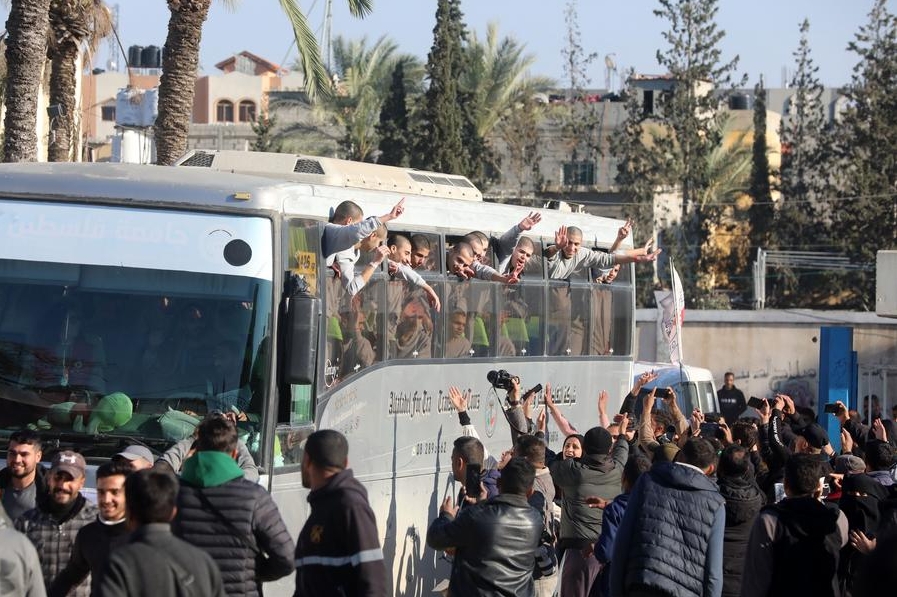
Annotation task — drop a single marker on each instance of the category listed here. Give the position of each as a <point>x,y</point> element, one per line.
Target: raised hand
<point>380,254</point>
<point>602,401</point>
<point>560,238</point>
<point>529,221</point>
<point>397,210</point>
<point>546,397</point>
<point>624,230</point>
<point>459,400</point>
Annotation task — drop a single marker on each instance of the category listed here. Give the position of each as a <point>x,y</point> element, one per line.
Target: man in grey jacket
<point>19,563</point>
<point>60,513</point>
<point>597,473</point>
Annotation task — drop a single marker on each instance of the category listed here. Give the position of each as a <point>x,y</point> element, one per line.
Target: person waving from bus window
<point>507,244</point>
<point>399,267</point>
<point>567,256</point>
<point>366,235</point>
<point>463,261</point>
<point>348,226</point>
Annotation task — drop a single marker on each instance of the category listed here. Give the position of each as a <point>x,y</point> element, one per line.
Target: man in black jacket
<point>338,551</point>
<point>154,562</point>
<point>496,541</point>
<point>97,540</point>
<point>232,519</point>
<point>795,545</point>
<point>737,485</point>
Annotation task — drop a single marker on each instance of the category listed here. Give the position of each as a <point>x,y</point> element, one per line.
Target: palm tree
<point>26,51</point>
<point>723,207</point>
<point>72,23</point>
<point>497,76</point>
<point>359,95</point>
<point>181,60</point>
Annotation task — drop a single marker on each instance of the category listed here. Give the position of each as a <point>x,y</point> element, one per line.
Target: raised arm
<point>646,424</point>
<point>397,210</point>
<point>622,234</point>
<point>563,426</point>
<point>602,409</point>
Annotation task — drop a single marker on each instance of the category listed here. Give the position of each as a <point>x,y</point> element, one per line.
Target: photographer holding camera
<point>515,411</point>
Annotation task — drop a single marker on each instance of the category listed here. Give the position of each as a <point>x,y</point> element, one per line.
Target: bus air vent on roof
<point>200,159</point>
<point>420,177</point>
<point>306,166</point>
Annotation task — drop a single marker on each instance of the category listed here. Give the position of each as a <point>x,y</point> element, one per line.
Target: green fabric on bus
<point>480,337</point>
<point>532,327</point>
<point>334,332</point>
<point>514,328</point>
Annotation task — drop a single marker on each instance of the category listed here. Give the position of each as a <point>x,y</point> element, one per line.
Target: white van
<point>694,386</point>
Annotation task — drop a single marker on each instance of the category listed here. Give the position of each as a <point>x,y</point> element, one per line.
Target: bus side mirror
<point>301,356</point>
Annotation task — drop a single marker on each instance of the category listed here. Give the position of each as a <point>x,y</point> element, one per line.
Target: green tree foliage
<point>690,111</point>
<point>637,178</point>
<point>393,126</point>
<point>265,139</point>
<point>442,124</point>
<point>364,74</point>
<point>762,210</point>
<point>800,221</point>
<point>865,219</point>
<point>579,119</point>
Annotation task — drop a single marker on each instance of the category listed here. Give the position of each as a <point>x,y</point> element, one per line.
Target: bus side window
<point>520,312</point>
<point>302,246</point>
<point>296,402</point>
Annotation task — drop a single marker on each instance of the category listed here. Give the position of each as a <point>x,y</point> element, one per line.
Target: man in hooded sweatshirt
<point>597,473</point>
<point>233,520</point>
<point>738,486</point>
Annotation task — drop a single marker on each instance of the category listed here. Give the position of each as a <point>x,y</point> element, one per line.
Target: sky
<point>763,33</point>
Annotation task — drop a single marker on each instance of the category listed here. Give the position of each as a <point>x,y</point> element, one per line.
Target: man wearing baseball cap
<point>60,513</point>
<point>139,457</point>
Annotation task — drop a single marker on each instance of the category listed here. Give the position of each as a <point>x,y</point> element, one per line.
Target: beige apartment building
<point>224,105</point>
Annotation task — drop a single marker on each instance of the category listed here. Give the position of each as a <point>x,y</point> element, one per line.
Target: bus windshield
<point>95,354</point>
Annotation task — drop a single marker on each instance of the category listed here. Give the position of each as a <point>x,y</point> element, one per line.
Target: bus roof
<point>209,189</point>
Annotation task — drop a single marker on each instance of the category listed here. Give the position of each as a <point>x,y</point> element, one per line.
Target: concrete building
<point>224,105</point>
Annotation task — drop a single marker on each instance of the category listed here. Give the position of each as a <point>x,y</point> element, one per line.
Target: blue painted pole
<point>837,377</point>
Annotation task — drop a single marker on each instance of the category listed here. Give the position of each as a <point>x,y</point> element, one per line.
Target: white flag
<point>670,313</point>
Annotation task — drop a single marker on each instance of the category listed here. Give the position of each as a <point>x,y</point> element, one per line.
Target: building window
<point>579,174</point>
<point>107,113</point>
<point>247,111</point>
<point>225,111</point>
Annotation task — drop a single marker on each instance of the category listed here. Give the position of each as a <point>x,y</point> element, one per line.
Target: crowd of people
<point>657,502</point>
<point>649,502</point>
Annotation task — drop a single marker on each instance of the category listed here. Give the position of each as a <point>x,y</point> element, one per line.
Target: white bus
<point>133,299</point>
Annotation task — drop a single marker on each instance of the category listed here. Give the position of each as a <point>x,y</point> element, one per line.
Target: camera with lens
<point>500,379</point>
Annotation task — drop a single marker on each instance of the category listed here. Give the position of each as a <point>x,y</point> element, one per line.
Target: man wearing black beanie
<point>597,473</point>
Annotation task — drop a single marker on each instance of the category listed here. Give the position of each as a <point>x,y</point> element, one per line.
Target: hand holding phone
<point>755,402</point>
<point>472,481</point>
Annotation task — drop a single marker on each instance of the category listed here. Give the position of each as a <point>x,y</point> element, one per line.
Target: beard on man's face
<point>62,496</point>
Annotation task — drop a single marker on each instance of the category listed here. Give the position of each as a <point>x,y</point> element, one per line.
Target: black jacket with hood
<point>254,524</point>
<point>743,502</point>
<point>338,551</point>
